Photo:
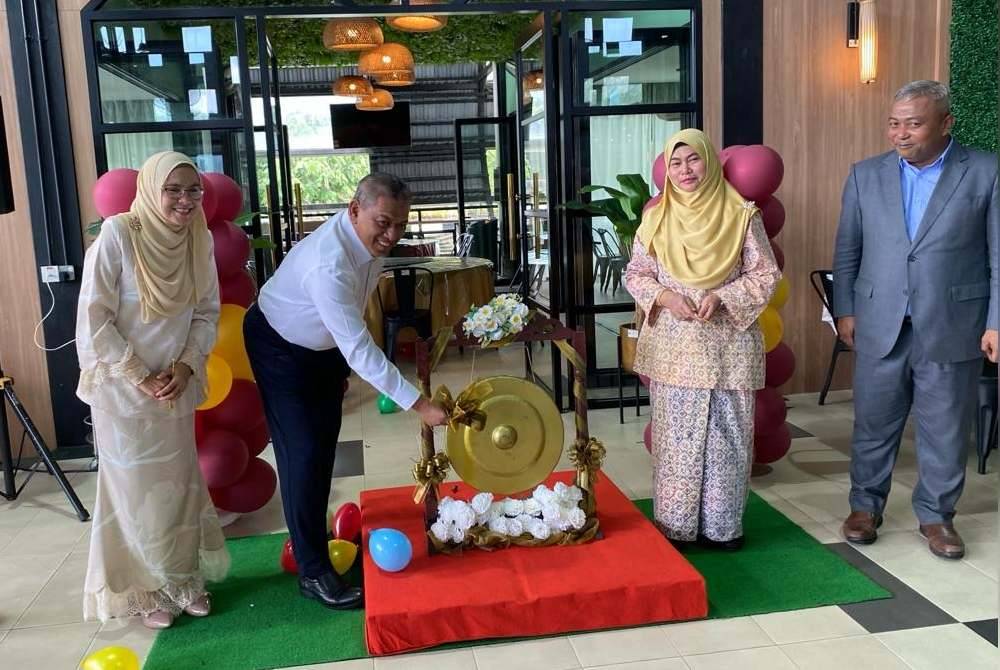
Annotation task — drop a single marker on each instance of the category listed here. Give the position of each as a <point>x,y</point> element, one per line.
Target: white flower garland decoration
<point>503,316</point>
<point>546,511</point>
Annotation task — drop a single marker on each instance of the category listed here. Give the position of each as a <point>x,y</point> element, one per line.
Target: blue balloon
<point>390,549</point>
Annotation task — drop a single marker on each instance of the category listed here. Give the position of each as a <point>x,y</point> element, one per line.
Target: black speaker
<point>6,189</point>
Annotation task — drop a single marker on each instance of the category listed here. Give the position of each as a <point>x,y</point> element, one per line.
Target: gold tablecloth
<point>459,283</point>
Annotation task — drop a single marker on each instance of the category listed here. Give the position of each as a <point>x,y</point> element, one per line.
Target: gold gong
<point>520,444</point>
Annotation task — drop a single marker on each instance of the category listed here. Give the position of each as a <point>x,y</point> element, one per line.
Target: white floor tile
<point>804,625</point>
<point>544,654</point>
<point>59,646</point>
<point>763,658</point>
<point>857,653</point>
<point>704,637</point>
<point>955,646</point>
<point>463,659</point>
<point>622,646</point>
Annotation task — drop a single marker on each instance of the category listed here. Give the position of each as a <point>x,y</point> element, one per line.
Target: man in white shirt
<point>303,336</point>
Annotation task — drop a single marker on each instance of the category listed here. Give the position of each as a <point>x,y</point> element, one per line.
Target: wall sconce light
<point>862,33</point>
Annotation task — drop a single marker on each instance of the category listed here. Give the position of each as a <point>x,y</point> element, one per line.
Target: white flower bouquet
<point>500,319</point>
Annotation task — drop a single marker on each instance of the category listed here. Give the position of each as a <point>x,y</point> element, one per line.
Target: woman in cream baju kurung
<point>149,304</point>
<point>700,344</point>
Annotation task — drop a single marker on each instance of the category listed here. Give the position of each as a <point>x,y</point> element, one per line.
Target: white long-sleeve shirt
<point>316,299</point>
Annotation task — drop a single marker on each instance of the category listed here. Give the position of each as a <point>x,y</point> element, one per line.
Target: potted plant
<point>623,208</point>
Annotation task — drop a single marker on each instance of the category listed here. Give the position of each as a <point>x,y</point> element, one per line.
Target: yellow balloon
<point>219,379</point>
<point>342,554</point>
<point>780,296</point>
<point>230,344</point>
<point>112,658</point>
<point>772,327</point>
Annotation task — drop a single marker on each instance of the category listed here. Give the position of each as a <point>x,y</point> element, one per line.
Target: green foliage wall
<point>974,67</point>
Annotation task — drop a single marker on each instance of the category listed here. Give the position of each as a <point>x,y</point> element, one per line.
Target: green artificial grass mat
<point>260,622</point>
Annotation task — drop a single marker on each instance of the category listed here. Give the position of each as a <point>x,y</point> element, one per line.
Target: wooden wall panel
<point>821,119</point>
<point>711,64</point>
<point>19,296</point>
<point>78,97</point>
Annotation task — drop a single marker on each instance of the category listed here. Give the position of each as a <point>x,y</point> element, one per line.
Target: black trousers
<point>303,394</point>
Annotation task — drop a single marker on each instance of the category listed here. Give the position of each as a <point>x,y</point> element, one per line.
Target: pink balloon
<point>223,458</point>
<point>241,408</point>
<point>114,191</point>
<point>232,249</point>
<point>659,172</point>
<point>773,213</point>
<point>779,255</point>
<point>257,437</point>
<point>251,492</point>
<point>228,196</point>
<point>647,437</point>
<point>645,380</point>
<point>779,365</point>
<point>755,171</point>
<point>772,447</point>
<point>238,289</point>
<point>728,152</point>
<point>653,202</point>
<point>208,200</point>
<point>769,411</point>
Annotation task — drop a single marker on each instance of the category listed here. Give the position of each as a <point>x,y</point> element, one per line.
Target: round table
<point>407,248</point>
<point>459,283</point>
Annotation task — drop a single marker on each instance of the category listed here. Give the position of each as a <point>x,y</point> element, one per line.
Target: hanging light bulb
<point>351,86</point>
<point>379,101</point>
<point>417,23</point>
<point>534,80</point>
<point>352,34</point>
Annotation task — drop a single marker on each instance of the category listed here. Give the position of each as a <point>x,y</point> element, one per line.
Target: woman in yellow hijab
<point>702,271</point>
<point>146,322</point>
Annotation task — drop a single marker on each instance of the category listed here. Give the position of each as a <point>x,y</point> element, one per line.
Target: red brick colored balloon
<point>251,492</point>
<point>769,411</point>
<point>346,523</point>
<point>772,447</point>
<point>727,153</point>
<point>755,171</point>
<point>653,202</point>
<point>228,196</point>
<point>647,437</point>
<point>241,408</point>
<point>779,255</point>
<point>779,365</point>
<point>238,288</point>
<point>287,560</point>
<point>114,191</point>
<point>645,380</point>
<point>257,437</point>
<point>773,213</point>
<point>208,200</point>
<point>223,458</point>
<point>659,172</point>
<point>232,249</point>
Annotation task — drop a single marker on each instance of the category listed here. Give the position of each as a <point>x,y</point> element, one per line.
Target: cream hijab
<point>698,237</point>
<point>171,268</point>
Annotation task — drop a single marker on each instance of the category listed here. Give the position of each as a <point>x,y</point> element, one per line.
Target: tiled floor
<point>944,615</point>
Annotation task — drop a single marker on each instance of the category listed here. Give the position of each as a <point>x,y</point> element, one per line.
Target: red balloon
<point>728,152</point>
<point>201,426</point>
<point>779,365</point>
<point>346,523</point>
<point>770,448</point>
<point>773,213</point>
<point>653,202</point>
<point>238,289</point>
<point>114,191</point>
<point>659,172</point>
<point>251,492</point>
<point>223,458</point>
<point>647,437</point>
<point>232,249</point>
<point>287,561</point>
<point>755,171</point>
<point>779,255</point>
<point>257,438</point>
<point>241,408</point>
<point>208,200</point>
<point>228,196</point>
<point>769,411</point>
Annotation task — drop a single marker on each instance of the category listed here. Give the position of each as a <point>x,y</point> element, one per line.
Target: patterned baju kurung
<point>702,382</point>
<point>155,537</point>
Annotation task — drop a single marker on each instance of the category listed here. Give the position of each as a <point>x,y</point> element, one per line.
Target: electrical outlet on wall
<point>67,273</point>
<point>50,274</point>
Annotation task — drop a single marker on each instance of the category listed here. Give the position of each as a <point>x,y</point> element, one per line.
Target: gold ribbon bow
<point>464,410</point>
<point>587,456</point>
<point>429,472</point>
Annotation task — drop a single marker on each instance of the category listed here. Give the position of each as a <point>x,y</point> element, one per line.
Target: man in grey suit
<point>916,295</point>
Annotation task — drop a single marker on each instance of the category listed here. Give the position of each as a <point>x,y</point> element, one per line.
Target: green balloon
<point>386,404</point>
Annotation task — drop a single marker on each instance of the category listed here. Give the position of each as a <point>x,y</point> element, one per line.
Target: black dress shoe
<point>331,591</point>
<point>734,544</point>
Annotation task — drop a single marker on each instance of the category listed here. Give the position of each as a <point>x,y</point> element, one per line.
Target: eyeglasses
<point>175,193</point>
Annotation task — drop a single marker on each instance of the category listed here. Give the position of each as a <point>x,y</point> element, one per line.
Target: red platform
<point>632,576</point>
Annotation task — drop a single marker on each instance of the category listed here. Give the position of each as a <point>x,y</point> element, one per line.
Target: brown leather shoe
<point>943,540</point>
<point>860,527</point>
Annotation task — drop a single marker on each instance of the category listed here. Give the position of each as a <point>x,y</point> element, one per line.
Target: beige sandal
<point>200,607</point>
<point>157,620</point>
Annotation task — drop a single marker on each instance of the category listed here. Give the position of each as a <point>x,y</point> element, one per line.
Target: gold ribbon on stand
<point>429,472</point>
<point>587,456</point>
<point>464,410</point>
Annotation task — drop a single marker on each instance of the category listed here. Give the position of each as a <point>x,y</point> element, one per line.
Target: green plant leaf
<point>94,228</point>
<point>244,219</point>
<point>261,243</point>
<point>597,187</point>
